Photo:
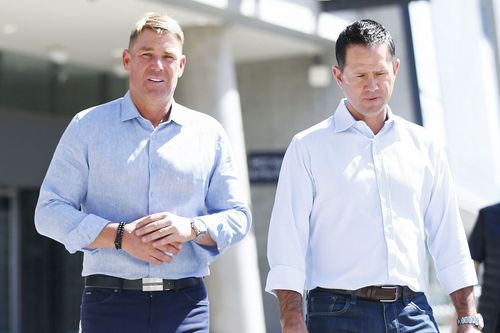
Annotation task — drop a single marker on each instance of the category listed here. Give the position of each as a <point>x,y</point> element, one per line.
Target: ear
<point>395,66</point>
<point>182,65</point>
<point>337,74</point>
<point>126,59</point>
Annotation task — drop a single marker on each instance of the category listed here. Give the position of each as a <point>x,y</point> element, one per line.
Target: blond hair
<point>161,23</point>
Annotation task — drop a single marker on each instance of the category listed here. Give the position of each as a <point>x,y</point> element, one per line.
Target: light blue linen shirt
<point>111,165</point>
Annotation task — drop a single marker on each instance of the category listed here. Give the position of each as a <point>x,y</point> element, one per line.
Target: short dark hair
<point>365,33</point>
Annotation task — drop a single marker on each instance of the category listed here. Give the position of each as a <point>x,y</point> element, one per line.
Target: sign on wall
<point>264,167</point>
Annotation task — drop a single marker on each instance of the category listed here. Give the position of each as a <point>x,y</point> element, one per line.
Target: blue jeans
<point>328,312</point>
<point>106,310</point>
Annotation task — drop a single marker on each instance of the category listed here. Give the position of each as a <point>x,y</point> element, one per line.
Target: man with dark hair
<point>484,243</point>
<point>147,190</point>
<point>360,198</point>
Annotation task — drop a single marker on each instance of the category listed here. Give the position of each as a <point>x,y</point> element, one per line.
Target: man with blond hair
<point>147,190</point>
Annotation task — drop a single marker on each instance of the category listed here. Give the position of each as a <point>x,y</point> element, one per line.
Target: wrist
<point>293,323</point>
<point>474,320</point>
<point>119,235</point>
<point>198,229</point>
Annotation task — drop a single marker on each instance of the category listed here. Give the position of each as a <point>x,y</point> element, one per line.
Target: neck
<point>155,112</point>
<point>374,121</point>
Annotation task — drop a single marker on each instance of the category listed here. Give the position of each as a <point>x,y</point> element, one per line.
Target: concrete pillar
<point>209,85</point>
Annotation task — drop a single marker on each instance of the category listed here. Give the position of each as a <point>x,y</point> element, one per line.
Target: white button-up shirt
<point>354,209</point>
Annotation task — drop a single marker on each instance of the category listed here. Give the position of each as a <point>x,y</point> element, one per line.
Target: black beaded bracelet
<point>119,235</point>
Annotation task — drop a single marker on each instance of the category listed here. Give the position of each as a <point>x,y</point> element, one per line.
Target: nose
<point>156,64</point>
<point>372,84</point>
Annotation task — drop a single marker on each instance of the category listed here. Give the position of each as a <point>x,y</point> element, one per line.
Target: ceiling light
<point>319,74</point>
<point>58,55</point>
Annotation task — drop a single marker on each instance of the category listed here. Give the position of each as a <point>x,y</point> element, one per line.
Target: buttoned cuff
<point>85,233</point>
<point>458,276</point>
<point>216,231</point>
<point>285,278</point>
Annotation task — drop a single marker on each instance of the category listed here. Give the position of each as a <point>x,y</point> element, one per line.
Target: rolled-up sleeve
<point>289,227</point>
<point>62,193</point>
<point>228,216</point>
<point>446,237</point>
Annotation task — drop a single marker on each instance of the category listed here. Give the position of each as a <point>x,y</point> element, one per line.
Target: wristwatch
<point>475,320</point>
<point>200,228</point>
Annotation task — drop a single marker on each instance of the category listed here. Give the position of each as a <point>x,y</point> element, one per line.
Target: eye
<point>146,55</point>
<point>169,57</point>
<point>381,73</point>
<point>360,75</point>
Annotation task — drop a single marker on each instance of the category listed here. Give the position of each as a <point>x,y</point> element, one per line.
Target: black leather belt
<point>376,293</point>
<point>144,284</point>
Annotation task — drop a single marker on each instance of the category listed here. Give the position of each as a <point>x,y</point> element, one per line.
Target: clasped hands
<point>157,238</point>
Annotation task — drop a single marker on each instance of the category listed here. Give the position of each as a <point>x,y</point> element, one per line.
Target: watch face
<point>200,226</point>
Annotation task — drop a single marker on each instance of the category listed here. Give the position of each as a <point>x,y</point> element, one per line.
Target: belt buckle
<point>396,294</point>
<point>152,284</point>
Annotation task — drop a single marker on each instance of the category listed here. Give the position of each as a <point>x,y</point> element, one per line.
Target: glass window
<point>38,85</point>
<point>24,83</point>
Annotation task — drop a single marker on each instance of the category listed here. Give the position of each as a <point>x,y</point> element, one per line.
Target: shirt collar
<point>343,119</point>
<point>130,111</point>
<point>178,115</point>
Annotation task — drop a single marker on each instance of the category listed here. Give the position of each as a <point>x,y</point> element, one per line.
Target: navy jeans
<point>328,312</point>
<point>106,310</point>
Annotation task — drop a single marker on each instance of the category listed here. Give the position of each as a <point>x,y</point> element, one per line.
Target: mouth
<point>155,80</point>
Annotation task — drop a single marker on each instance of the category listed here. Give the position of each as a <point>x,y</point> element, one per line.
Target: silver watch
<point>200,228</point>
<point>475,320</point>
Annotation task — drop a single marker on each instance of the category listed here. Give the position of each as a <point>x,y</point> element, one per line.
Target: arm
<point>463,300</point>
<point>288,237</point>
<point>292,319</point>
<point>63,191</point>
<point>446,237</point>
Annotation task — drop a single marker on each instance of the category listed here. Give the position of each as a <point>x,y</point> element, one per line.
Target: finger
<point>170,249</point>
<point>154,261</point>
<point>158,234</point>
<point>152,227</point>
<point>176,245</point>
<point>166,240</point>
<point>149,219</point>
<point>162,256</point>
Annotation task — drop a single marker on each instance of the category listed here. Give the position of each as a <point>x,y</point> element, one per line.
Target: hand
<point>165,231</point>
<point>133,245</point>
<point>298,327</point>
